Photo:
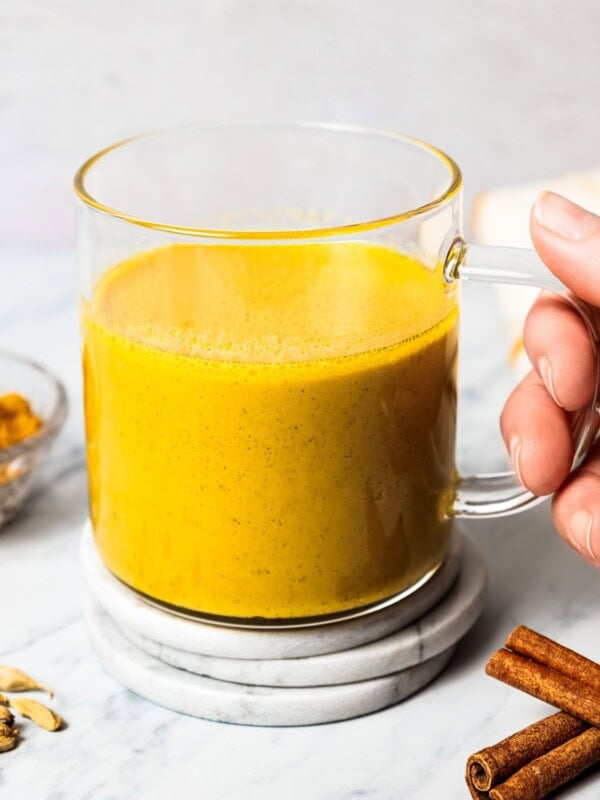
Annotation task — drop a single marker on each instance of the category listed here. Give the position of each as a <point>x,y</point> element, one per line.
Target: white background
<point>510,88</point>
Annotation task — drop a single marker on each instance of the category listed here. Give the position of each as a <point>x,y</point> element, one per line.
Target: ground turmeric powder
<point>17,419</point>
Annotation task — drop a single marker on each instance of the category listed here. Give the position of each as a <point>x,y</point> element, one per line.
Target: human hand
<point>535,421</point>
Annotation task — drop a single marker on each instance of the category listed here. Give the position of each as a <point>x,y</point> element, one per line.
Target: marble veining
<point>118,746</point>
<point>244,704</point>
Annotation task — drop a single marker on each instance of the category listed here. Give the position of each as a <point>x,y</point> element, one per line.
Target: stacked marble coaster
<point>294,676</point>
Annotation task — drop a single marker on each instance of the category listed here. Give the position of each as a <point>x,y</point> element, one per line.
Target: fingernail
<point>545,370</point>
<point>580,528</point>
<point>515,456</point>
<point>564,218</point>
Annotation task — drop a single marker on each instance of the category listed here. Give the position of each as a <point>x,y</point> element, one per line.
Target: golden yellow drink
<point>270,428</point>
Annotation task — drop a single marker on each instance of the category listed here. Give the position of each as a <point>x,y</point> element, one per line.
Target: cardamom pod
<point>13,680</point>
<point>37,712</point>
<point>8,738</point>
<point>6,718</point>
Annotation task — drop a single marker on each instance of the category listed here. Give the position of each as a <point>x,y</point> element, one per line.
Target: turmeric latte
<point>270,428</point>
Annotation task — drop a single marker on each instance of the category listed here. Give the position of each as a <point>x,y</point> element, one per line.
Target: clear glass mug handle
<point>500,494</point>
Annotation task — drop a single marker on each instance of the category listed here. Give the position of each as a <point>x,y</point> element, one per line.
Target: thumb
<point>567,237</point>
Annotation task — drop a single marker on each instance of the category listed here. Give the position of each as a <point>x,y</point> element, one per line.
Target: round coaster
<point>221,701</point>
<point>433,634</point>
<point>133,613</point>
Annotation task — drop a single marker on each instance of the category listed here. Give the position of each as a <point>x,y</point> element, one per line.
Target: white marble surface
<point>118,746</point>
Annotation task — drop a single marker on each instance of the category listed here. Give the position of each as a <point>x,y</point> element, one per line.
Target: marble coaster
<point>135,614</point>
<point>434,633</point>
<point>286,677</point>
<point>222,701</point>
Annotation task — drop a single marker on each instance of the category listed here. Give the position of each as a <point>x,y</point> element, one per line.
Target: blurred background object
<point>501,217</point>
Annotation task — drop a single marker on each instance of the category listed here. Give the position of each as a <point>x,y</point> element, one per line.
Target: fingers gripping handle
<point>500,494</point>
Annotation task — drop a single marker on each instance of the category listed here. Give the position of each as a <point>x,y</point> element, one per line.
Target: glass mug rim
<point>451,190</point>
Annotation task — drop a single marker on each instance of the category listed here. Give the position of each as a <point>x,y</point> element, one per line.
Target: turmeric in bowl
<point>17,419</point>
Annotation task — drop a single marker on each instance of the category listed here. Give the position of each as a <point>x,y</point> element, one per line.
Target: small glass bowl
<point>49,401</point>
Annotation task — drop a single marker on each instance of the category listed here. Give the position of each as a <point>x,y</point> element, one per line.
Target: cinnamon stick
<point>557,767</point>
<point>548,652</point>
<point>535,761</point>
<point>546,684</point>
<point>495,764</point>
<point>475,793</point>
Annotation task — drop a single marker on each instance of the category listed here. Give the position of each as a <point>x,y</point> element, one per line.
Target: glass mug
<point>269,316</point>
